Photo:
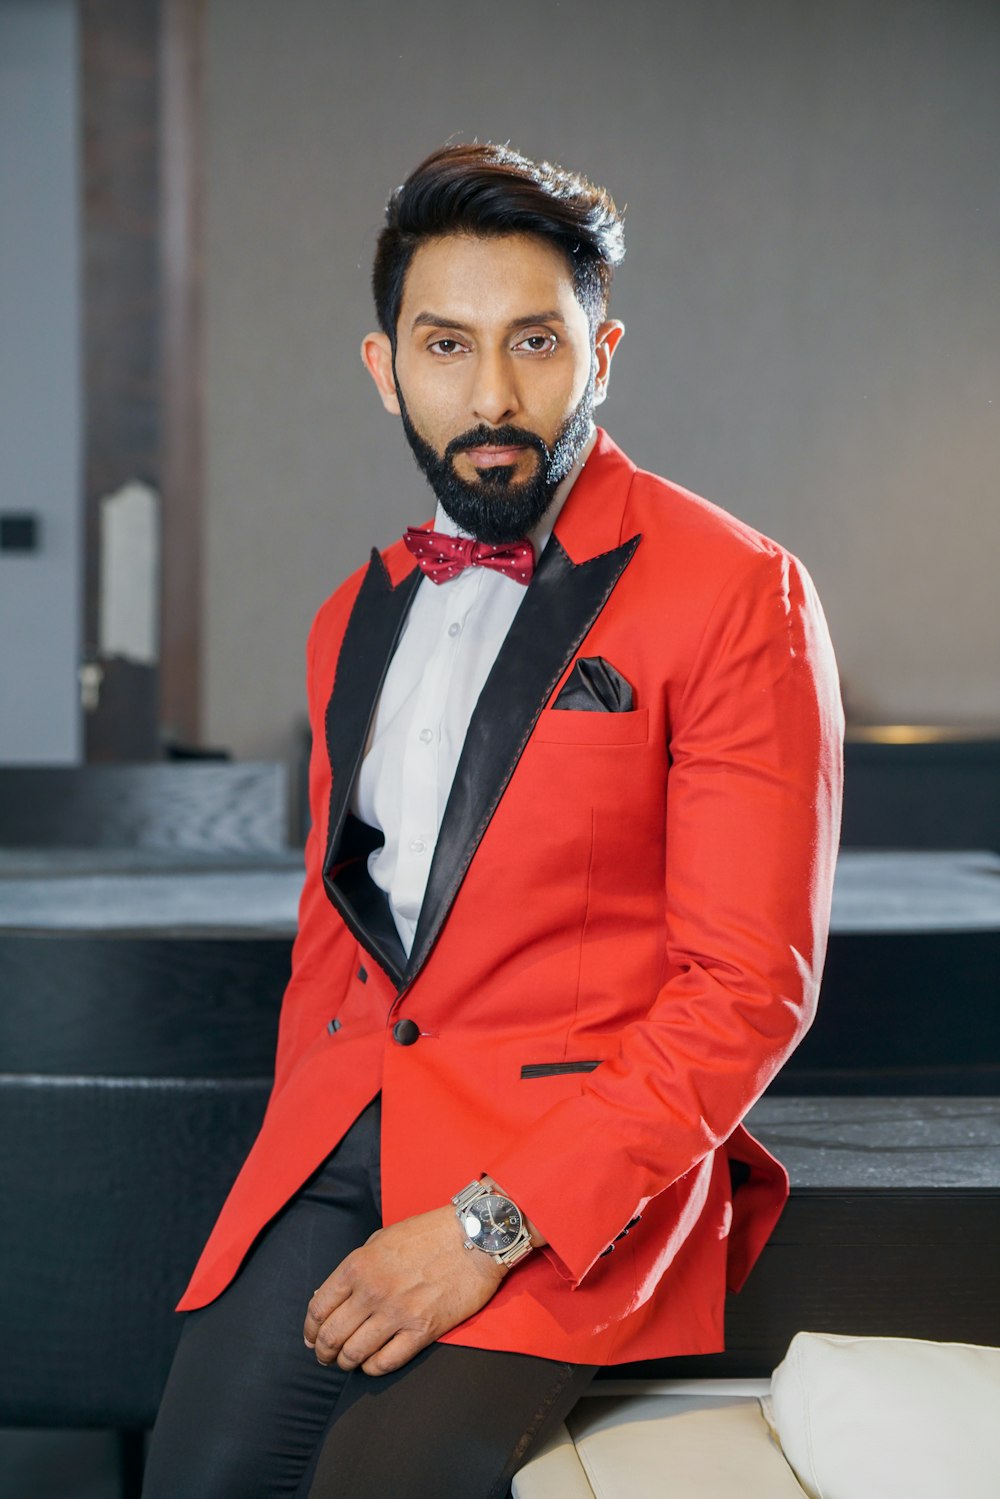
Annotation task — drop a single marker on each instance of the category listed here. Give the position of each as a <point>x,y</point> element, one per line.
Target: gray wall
<point>40,379</point>
<point>810,294</point>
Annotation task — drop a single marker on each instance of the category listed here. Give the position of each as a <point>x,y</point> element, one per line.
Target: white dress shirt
<point>449,643</point>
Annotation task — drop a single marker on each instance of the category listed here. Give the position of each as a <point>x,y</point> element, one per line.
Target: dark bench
<point>891,1230</point>
<point>137,1031</point>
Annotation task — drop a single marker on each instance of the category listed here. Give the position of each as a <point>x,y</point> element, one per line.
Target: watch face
<point>492,1223</point>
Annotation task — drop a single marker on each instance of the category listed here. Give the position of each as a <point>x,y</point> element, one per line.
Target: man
<point>575,796</point>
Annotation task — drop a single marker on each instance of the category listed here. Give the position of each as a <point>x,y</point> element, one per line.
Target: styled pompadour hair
<point>494,190</point>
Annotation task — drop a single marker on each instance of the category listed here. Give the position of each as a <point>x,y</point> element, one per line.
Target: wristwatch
<point>491,1223</point>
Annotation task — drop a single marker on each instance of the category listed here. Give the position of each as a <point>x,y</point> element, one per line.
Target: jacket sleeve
<point>753,820</point>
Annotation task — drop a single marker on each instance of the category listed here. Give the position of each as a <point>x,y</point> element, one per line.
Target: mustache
<point>497,437</point>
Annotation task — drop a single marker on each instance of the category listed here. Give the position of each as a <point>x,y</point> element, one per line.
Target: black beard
<point>492,507</point>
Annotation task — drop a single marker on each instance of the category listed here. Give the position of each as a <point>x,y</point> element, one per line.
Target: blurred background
<point>192,458</point>
<point>190,195</point>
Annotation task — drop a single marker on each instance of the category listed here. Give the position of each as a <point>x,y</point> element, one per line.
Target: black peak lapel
<point>560,605</point>
<point>370,639</point>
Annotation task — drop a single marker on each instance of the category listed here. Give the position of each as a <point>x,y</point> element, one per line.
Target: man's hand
<point>406,1286</point>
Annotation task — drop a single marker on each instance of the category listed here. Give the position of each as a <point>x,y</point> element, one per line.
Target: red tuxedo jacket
<point>622,934</point>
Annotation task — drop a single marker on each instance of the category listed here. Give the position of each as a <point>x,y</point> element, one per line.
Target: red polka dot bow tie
<point>442,557</point>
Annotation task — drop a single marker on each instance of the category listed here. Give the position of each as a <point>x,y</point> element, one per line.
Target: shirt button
<point>426,735</point>
<point>405,1032</point>
<point>417,845</point>
<point>455,629</point>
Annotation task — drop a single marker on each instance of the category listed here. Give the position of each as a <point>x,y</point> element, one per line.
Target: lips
<point>493,457</point>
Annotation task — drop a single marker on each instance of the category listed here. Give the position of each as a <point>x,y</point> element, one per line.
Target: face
<point>496,374</point>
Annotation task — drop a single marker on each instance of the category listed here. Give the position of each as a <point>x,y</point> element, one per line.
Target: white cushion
<point>870,1418</point>
<point>660,1447</point>
<point>554,1472</point>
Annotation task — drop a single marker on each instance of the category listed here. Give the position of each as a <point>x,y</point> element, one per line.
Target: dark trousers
<point>248,1413</point>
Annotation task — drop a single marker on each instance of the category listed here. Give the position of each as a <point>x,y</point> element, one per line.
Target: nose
<point>494,396</point>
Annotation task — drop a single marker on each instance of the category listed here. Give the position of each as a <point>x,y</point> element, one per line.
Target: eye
<point>442,348</point>
<point>538,343</point>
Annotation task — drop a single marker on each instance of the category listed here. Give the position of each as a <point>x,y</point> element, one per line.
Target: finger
<point>364,1343</point>
<point>330,1339</point>
<point>342,1325</point>
<point>329,1297</point>
<point>400,1348</point>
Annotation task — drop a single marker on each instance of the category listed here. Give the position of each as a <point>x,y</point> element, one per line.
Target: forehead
<point>478,279</point>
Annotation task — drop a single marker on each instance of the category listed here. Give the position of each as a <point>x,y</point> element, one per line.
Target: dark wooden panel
<point>238,807</point>
<point>890,1231</point>
<point>182,383</point>
<point>932,795</point>
<point>142,279</point>
<point>108,1198</point>
<point>906,1012</point>
<point>120,102</point>
<point>888,1082</point>
<point>150,1007</point>
<point>879,1264</point>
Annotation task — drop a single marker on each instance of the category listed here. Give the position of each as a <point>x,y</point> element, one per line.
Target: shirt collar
<point>540,535</point>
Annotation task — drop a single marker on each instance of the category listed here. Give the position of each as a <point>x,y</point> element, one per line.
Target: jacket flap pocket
<point>555,1069</point>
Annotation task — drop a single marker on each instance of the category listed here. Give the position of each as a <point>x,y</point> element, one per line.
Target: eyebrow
<point>435,320</point>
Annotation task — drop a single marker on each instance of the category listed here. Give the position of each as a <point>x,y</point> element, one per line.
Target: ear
<point>376,355</point>
<point>606,341</point>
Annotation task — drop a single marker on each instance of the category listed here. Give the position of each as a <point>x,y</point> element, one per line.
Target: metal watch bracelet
<point>463,1201</point>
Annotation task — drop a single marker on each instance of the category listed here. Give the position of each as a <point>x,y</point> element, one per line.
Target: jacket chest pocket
<point>578,726</point>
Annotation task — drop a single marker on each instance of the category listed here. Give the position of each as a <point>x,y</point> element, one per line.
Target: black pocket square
<point>595,686</point>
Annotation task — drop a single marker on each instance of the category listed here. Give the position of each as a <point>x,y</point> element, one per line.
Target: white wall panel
<point>40,380</point>
<point>810,292</point>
